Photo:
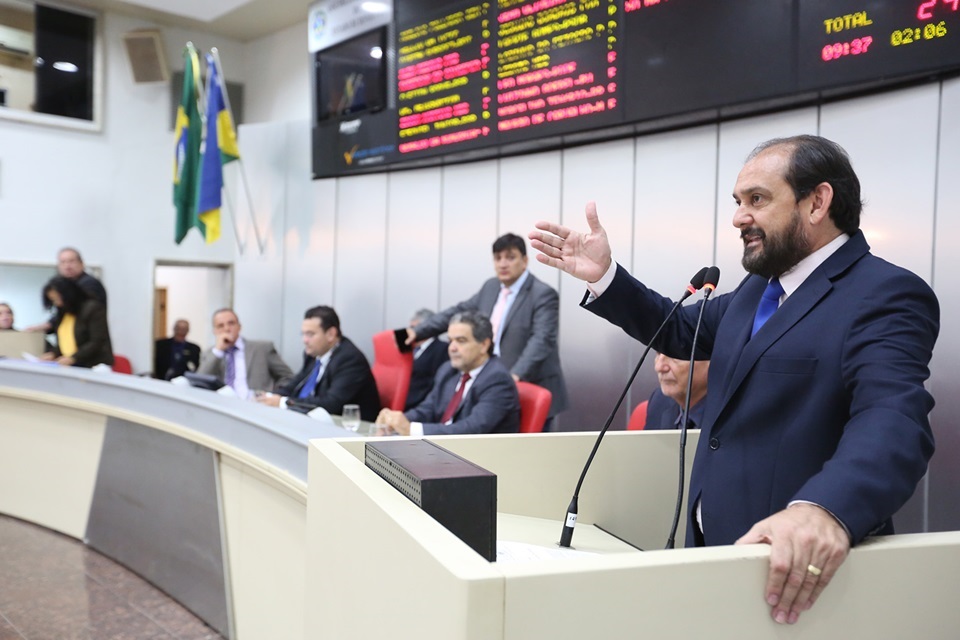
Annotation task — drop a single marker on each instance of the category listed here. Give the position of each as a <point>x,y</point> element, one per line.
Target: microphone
<point>696,283</point>
<point>709,286</point>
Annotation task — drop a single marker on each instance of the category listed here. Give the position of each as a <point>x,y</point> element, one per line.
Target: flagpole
<point>243,173</point>
<point>233,219</point>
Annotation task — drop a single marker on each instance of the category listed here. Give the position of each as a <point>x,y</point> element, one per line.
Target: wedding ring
<point>814,571</point>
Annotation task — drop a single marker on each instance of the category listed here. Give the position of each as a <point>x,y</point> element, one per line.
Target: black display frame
<point>791,53</point>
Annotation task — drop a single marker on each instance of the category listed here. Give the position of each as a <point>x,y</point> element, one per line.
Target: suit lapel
<point>789,314</point>
<point>521,296</point>
<point>467,400</point>
<point>449,388</point>
<point>792,311</point>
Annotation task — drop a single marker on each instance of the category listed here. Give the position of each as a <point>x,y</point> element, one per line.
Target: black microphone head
<point>697,281</point>
<point>712,277</point>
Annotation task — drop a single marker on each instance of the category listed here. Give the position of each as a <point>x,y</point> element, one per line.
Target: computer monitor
<point>203,380</point>
<point>13,344</point>
<point>351,77</point>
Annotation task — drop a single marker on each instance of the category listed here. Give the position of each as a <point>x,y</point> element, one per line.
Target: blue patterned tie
<point>230,372</point>
<point>768,304</point>
<point>311,383</point>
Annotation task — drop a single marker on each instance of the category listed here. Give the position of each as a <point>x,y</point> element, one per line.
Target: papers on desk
<point>515,552</point>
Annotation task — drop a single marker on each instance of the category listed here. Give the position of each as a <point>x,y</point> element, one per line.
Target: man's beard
<point>777,253</point>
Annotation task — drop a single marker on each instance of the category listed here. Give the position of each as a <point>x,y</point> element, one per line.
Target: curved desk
<point>202,495</point>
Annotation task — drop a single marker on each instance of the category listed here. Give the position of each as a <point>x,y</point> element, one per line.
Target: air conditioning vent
<point>16,41</point>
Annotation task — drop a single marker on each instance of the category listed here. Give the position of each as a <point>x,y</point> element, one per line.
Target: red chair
<point>534,407</point>
<point>638,419</point>
<point>391,369</point>
<point>121,364</point>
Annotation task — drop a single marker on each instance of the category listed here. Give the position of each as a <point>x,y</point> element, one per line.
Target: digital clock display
<point>844,42</point>
<point>474,78</point>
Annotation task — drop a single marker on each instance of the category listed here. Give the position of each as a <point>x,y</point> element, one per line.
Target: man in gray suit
<point>525,315</point>
<point>244,365</point>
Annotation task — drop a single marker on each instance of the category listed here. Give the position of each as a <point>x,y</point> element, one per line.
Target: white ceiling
<point>239,19</point>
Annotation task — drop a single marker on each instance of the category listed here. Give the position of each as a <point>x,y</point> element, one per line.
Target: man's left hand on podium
<point>807,546</point>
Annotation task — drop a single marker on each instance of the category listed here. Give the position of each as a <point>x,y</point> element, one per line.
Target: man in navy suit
<point>473,394</point>
<point>815,431</point>
<point>173,356</point>
<point>525,313</point>
<point>665,407</point>
<point>335,372</point>
<point>428,356</point>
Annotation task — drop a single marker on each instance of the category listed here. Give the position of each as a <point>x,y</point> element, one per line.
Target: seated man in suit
<point>525,314</point>
<point>428,356</point>
<point>244,365</point>
<point>335,372</point>
<point>474,394</point>
<point>665,408</point>
<point>172,356</point>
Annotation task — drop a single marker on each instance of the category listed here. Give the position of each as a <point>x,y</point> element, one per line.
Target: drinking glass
<point>350,419</point>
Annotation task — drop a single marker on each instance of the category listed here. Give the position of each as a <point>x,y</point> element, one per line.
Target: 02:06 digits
<point>915,34</point>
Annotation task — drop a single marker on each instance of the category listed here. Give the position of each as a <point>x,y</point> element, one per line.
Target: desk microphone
<point>710,284</point>
<point>566,536</point>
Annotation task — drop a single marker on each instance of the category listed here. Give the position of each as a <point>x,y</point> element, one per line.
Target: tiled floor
<point>53,587</point>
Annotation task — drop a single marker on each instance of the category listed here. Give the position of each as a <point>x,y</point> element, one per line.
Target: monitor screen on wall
<point>351,76</point>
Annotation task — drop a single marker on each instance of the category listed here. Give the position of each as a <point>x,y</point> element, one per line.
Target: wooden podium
<point>379,567</point>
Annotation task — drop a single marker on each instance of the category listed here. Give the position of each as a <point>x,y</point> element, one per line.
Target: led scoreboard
<point>481,78</point>
<point>844,42</point>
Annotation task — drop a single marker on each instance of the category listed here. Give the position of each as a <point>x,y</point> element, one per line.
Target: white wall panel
<point>674,220</point>
<point>307,242</point>
<point>282,66</point>
<point>360,257</point>
<point>594,353</point>
<point>258,293</point>
<point>737,140</point>
<point>894,154</point>
<point>468,229</point>
<point>413,244</point>
<point>944,472</point>
<point>530,190</point>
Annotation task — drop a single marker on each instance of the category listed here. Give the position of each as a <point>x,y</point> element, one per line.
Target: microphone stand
<point>566,535</point>
<point>686,414</point>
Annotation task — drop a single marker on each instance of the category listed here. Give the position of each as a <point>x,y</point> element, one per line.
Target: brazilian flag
<point>186,161</point>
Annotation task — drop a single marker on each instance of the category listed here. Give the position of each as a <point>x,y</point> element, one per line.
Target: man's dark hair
<point>326,315</point>
<point>71,293</point>
<point>814,160</point>
<point>510,241</point>
<point>479,325</point>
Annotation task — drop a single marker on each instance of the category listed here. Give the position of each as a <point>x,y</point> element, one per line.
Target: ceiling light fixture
<point>375,7</point>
